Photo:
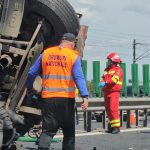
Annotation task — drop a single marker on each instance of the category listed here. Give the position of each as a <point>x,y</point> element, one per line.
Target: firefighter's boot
<point>115,130</point>
<point>109,129</point>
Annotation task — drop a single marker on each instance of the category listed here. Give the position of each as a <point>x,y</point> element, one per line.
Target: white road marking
<point>102,133</point>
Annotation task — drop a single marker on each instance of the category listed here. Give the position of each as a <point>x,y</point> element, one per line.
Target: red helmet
<point>114,57</point>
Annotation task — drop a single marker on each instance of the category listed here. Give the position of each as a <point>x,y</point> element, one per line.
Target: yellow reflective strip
<point>77,91</point>
<point>114,79</point>
<point>111,72</point>
<point>115,125</point>
<point>105,72</point>
<point>117,77</point>
<point>119,82</point>
<point>114,121</point>
<point>101,79</point>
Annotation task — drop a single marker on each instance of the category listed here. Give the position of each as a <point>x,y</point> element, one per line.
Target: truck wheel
<point>59,18</point>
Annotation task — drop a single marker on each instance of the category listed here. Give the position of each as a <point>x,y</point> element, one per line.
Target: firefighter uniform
<point>112,84</point>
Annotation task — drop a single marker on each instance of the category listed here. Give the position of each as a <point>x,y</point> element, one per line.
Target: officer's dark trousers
<point>57,113</point>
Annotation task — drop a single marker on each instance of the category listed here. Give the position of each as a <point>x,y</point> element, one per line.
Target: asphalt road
<point>127,139</point>
<point>132,139</point>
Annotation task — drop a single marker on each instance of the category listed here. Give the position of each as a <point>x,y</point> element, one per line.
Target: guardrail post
<point>121,118</point>
<point>135,82</point>
<point>128,119</point>
<point>85,120</point>
<point>89,119</point>
<point>146,79</point>
<point>105,125</point>
<point>137,117</point>
<point>145,118</point>
<point>96,78</point>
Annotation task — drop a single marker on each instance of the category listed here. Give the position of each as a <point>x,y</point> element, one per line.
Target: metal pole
<point>134,49</point>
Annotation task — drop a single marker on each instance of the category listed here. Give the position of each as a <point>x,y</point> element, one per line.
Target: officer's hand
<point>84,105</point>
<point>101,84</point>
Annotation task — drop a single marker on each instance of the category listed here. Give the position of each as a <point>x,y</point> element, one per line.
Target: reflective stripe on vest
<point>57,77</point>
<point>71,89</point>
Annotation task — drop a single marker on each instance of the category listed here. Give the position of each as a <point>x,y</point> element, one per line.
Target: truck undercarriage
<point>26,28</point>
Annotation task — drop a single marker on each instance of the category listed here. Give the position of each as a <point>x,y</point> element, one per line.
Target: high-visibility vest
<point>113,77</point>
<point>57,79</point>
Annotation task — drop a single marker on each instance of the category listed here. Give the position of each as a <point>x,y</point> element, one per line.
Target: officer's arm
<point>33,72</point>
<point>79,78</point>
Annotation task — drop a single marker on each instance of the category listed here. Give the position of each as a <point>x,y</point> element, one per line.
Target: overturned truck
<point>26,28</point>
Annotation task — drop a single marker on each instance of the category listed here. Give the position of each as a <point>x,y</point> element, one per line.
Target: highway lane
<point>128,139</point>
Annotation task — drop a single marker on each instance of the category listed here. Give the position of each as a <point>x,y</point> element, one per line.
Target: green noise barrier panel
<point>124,84</point>
<point>146,80</point>
<point>84,68</point>
<point>135,82</point>
<point>96,78</point>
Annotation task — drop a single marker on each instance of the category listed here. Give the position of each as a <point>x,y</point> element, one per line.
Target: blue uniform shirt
<point>76,71</point>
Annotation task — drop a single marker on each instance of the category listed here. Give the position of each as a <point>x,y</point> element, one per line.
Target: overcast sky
<point>112,27</point>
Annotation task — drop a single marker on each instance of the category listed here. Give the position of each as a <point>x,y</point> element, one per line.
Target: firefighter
<point>111,84</point>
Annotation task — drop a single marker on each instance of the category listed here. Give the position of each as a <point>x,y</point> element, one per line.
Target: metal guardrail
<point>126,105</point>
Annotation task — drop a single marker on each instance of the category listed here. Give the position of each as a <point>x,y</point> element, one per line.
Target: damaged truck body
<point>26,28</point>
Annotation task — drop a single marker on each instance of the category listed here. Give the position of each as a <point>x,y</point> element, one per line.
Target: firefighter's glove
<point>101,84</point>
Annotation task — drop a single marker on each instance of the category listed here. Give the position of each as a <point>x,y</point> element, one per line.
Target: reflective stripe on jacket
<point>113,77</point>
<point>115,123</point>
<point>57,80</point>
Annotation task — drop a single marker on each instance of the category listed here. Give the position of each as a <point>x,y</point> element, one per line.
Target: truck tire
<point>59,18</point>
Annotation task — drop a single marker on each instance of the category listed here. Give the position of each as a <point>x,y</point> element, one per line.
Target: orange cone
<point>132,118</point>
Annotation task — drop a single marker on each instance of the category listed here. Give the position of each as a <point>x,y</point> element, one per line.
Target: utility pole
<point>134,51</point>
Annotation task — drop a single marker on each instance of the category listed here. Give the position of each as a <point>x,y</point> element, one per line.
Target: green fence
<point>96,78</point>
<point>146,80</point>
<point>135,80</point>
<point>124,85</point>
<point>135,88</point>
<point>84,68</point>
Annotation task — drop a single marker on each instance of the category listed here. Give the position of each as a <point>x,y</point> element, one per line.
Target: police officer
<point>111,84</point>
<point>61,74</point>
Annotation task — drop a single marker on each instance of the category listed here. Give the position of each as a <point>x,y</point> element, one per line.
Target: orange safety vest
<point>57,79</point>
<point>113,76</point>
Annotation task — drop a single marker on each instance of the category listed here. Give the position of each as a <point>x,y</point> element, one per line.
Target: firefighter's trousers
<point>112,108</point>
